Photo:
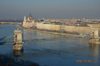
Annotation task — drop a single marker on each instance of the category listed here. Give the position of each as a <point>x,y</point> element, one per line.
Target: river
<point>52,53</point>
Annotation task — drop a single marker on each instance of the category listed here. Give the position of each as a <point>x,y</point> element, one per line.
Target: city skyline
<point>57,9</point>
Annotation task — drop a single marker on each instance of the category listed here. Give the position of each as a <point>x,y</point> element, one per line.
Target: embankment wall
<point>65,28</point>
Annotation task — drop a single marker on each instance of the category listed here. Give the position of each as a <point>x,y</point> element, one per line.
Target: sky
<point>50,9</point>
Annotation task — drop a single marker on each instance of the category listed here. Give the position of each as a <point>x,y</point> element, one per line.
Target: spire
<point>30,15</point>
<point>24,18</point>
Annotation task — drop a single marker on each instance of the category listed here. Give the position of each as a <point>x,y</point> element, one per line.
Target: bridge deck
<point>10,22</point>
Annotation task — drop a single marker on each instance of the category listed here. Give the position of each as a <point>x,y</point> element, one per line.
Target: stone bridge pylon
<point>18,44</point>
<point>96,39</point>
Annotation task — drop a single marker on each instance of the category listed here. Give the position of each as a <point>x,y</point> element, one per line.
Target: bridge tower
<point>18,45</point>
<point>95,39</point>
<point>96,34</point>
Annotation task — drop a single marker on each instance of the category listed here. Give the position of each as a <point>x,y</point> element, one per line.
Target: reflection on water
<point>18,55</point>
<point>52,53</point>
<point>29,35</point>
<point>95,51</point>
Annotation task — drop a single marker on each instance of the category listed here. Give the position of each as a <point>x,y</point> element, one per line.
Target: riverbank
<point>45,31</point>
<point>8,61</point>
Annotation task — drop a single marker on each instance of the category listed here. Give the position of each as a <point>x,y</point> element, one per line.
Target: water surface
<point>52,53</point>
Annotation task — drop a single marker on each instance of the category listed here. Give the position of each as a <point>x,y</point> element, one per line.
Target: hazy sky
<point>58,9</point>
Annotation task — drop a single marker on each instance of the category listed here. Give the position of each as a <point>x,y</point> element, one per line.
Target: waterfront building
<point>29,22</point>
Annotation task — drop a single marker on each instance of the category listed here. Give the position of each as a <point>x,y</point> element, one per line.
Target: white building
<point>29,22</point>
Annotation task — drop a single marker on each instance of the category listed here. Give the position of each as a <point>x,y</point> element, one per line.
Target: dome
<point>30,15</point>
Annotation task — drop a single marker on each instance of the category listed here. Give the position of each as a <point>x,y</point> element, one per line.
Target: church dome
<point>30,15</point>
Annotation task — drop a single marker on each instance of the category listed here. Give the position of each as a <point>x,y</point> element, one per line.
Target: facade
<point>29,22</point>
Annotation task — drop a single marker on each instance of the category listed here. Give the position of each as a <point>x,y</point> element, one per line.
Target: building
<point>29,22</point>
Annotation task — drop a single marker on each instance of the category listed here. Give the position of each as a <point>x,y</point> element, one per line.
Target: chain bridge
<point>18,42</point>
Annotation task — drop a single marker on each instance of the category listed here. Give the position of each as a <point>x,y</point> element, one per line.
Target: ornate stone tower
<point>24,22</point>
<point>18,45</point>
<point>30,17</point>
<point>29,22</point>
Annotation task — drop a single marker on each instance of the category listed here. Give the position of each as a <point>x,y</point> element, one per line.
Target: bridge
<point>10,23</point>
<point>18,42</point>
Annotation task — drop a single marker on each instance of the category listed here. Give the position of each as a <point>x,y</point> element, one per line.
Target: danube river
<point>64,52</point>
